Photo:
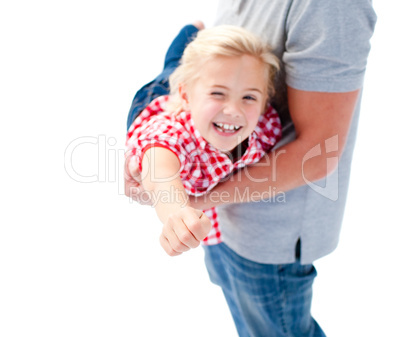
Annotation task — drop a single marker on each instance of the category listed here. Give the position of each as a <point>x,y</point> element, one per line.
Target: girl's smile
<point>227,99</point>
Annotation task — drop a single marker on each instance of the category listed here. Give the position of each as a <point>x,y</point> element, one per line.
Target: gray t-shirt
<point>323,46</point>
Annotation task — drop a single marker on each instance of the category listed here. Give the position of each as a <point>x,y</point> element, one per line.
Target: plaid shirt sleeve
<point>155,128</point>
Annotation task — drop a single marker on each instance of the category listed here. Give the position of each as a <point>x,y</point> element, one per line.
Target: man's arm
<point>183,226</point>
<point>317,117</point>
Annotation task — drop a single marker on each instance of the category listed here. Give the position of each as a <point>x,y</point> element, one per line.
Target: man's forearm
<point>322,123</point>
<point>279,171</point>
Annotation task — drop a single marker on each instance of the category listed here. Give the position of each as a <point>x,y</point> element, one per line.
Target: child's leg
<point>176,49</point>
<point>160,85</point>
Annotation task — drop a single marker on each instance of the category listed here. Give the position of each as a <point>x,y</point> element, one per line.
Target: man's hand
<point>184,230</point>
<point>132,182</point>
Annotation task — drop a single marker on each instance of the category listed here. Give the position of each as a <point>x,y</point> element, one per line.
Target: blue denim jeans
<point>160,85</point>
<point>265,300</point>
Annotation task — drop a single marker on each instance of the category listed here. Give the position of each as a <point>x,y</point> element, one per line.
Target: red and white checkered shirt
<point>202,166</point>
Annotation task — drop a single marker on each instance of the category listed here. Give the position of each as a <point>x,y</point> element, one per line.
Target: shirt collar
<point>199,140</point>
<point>259,133</point>
<point>254,140</point>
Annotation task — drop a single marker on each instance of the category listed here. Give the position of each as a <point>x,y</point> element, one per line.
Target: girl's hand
<point>184,230</point>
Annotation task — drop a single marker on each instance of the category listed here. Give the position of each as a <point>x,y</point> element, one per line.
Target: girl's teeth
<point>230,127</point>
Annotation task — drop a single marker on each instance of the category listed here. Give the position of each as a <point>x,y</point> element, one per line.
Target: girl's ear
<point>184,96</point>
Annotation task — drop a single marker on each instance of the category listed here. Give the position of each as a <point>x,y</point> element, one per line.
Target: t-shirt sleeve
<point>157,132</point>
<point>327,44</point>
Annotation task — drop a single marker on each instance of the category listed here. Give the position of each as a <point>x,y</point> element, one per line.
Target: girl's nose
<point>232,109</point>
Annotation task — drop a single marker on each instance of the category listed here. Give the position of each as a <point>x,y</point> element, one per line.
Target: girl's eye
<point>217,94</point>
<point>249,98</point>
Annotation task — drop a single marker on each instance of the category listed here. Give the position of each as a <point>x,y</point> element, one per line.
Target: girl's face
<point>227,99</point>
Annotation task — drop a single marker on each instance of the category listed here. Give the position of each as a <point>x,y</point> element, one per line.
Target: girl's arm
<point>184,227</point>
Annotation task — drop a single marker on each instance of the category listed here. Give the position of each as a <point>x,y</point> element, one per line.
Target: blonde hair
<point>224,40</point>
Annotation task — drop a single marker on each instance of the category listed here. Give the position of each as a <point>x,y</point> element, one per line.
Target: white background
<point>78,259</point>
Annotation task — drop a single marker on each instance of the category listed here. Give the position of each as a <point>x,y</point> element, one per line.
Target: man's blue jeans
<point>265,300</point>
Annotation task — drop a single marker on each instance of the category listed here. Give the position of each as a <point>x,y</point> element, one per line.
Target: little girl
<point>215,121</point>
